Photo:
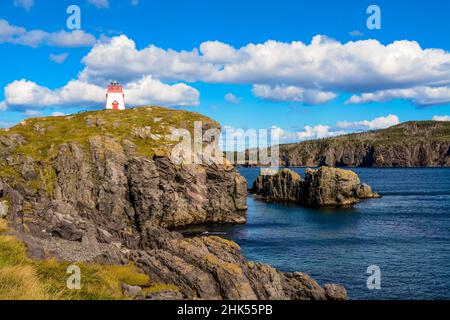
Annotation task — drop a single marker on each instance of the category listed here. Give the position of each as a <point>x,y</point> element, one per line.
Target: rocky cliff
<point>410,144</point>
<point>101,187</point>
<point>321,187</point>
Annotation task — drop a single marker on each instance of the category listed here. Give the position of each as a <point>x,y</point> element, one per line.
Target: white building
<point>115,98</point>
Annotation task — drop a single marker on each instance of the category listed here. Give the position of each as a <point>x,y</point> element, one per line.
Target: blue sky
<point>238,92</point>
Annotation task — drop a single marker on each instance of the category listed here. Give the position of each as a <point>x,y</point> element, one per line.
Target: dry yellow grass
<point>24,279</point>
<point>20,283</point>
<point>3,225</point>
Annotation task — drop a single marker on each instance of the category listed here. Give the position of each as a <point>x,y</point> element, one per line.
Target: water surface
<point>406,233</point>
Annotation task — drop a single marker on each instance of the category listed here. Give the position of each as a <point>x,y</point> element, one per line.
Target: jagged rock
<point>164,295</point>
<point>325,186</point>
<point>284,185</point>
<point>329,186</point>
<point>214,268</point>
<point>4,208</point>
<point>100,198</point>
<point>335,292</point>
<point>131,291</point>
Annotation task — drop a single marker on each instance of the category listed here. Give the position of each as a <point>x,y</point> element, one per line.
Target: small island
<point>323,187</point>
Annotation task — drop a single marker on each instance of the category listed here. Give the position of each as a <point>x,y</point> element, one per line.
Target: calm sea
<point>406,234</point>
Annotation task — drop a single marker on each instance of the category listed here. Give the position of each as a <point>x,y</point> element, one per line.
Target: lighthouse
<point>115,98</point>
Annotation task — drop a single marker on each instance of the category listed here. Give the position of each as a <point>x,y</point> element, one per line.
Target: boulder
<point>4,208</point>
<point>284,185</point>
<point>328,186</point>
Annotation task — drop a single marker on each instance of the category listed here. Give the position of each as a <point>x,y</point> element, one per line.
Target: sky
<point>310,69</point>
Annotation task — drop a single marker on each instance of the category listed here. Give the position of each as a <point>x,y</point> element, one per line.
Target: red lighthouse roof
<point>115,86</point>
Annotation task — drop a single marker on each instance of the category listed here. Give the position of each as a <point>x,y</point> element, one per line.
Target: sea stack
<point>323,187</point>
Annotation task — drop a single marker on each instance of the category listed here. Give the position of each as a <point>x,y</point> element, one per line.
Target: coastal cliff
<point>100,187</point>
<point>410,144</point>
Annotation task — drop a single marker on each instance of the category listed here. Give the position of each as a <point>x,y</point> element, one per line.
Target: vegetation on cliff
<point>147,128</point>
<point>410,144</point>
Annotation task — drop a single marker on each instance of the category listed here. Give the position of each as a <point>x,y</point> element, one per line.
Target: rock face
<point>328,186</point>
<point>100,195</point>
<point>411,144</point>
<point>321,187</point>
<point>285,185</point>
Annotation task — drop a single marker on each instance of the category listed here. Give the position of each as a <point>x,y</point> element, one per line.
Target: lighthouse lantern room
<point>115,98</point>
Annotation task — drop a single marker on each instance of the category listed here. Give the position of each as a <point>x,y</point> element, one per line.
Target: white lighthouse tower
<point>115,98</point>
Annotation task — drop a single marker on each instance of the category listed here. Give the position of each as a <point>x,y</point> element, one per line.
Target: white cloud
<point>152,91</point>
<point>441,118</point>
<point>292,93</point>
<point>419,95</point>
<point>218,52</point>
<point>377,123</point>
<point>231,98</point>
<point>58,114</point>
<point>325,65</point>
<point>34,38</point>
<point>3,106</point>
<point>308,133</point>
<point>26,4</point>
<point>29,95</point>
<point>101,4</point>
<point>58,58</point>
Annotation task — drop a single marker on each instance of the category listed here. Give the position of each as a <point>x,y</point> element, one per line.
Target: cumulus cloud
<point>377,123</point>
<point>34,38</point>
<point>292,93</point>
<point>419,95</point>
<point>152,91</point>
<point>441,118</point>
<point>58,58</point>
<point>324,65</point>
<point>101,4</point>
<point>308,133</point>
<point>26,4</point>
<point>231,98</point>
<point>28,95</point>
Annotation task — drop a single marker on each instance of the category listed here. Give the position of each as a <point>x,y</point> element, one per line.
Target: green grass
<point>44,136</point>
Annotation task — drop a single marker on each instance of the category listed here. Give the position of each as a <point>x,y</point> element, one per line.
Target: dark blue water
<point>406,233</point>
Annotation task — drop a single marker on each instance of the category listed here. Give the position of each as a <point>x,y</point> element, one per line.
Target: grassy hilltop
<point>148,128</point>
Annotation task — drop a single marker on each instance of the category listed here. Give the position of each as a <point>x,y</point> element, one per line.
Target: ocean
<point>406,234</point>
